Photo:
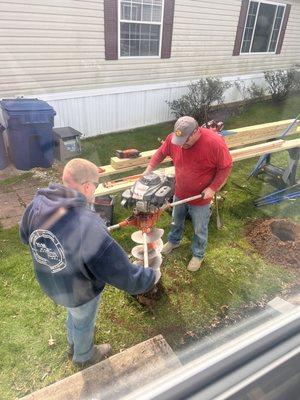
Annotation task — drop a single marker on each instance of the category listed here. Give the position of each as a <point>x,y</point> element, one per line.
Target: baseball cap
<point>183,128</point>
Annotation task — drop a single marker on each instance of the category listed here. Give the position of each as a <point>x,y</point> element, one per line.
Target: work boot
<point>168,247</point>
<point>194,264</point>
<point>100,352</point>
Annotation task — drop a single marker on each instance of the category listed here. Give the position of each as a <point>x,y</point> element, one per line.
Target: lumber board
<point>237,155</point>
<point>237,137</point>
<point>144,158</point>
<point>259,133</point>
<point>116,376</point>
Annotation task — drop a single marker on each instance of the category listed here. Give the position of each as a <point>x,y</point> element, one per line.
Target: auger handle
<point>176,203</point>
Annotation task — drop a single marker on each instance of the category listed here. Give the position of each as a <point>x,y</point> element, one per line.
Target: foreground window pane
<point>263,28</point>
<point>139,39</point>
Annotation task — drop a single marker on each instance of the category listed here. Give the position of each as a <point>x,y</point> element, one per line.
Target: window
<point>140,27</point>
<point>262,28</point>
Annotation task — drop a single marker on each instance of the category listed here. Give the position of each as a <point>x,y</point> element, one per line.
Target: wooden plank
<point>259,133</point>
<point>238,137</point>
<point>237,155</point>
<point>257,150</point>
<point>120,163</point>
<point>116,376</point>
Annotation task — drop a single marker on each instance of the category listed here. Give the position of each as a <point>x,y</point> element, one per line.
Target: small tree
<point>281,83</point>
<point>199,100</point>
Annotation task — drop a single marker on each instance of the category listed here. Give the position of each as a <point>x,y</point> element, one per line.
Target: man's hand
<point>157,271</point>
<point>148,170</point>
<point>208,193</point>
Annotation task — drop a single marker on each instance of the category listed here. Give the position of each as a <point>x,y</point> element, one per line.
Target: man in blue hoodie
<point>74,256</point>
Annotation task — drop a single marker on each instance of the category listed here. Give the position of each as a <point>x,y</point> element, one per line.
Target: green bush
<point>201,97</point>
<point>281,83</point>
<point>252,93</point>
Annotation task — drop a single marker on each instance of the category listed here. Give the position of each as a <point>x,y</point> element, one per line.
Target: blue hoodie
<point>73,254</point>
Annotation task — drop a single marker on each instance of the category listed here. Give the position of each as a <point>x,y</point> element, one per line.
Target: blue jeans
<point>80,325</point>
<point>200,216</point>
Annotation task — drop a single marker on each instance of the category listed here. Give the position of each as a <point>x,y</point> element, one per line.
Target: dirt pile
<point>277,240</point>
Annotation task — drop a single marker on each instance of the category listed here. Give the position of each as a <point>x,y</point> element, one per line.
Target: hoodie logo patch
<point>47,250</point>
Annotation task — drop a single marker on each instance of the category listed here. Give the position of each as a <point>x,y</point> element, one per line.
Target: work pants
<point>200,216</point>
<point>80,326</point>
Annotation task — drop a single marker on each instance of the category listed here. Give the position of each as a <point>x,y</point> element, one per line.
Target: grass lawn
<point>233,278</point>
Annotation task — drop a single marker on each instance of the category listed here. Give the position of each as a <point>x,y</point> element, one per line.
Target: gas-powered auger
<point>149,197</point>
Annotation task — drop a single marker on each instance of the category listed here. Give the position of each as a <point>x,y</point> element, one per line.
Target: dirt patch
<point>150,298</point>
<point>277,240</point>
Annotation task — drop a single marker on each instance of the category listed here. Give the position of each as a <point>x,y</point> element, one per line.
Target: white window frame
<point>254,27</point>
<point>161,24</point>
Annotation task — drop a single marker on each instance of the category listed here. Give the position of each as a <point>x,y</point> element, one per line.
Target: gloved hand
<point>157,270</point>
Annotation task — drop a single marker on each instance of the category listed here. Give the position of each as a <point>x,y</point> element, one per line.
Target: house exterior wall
<point>56,51</point>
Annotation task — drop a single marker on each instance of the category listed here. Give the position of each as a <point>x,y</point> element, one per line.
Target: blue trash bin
<point>29,125</point>
<point>3,154</point>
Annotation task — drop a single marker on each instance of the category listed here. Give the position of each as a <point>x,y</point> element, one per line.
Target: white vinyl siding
<point>58,46</point>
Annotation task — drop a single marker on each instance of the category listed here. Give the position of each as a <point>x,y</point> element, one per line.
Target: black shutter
<point>283,28</point>
<point>111,29</point>
<point>240,28</point>
<point>166,43</point>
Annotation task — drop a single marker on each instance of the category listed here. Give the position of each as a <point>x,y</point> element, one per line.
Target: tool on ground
<point>128,153</point>
<point>219,222</point>
<point>279,177</point>
<point>288,193</point>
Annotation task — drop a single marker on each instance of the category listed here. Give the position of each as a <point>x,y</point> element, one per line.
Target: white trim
<point>130,89</point>
<point>100,111</point>
<point>258,53</point>
<point>272,30</point>
<point>279,32</point>
<point>161,26</point>
<point>119,30</point>
<point>254,27</point>
<point>245,28</point>
<point>139,22</point>
<point>137,57</point>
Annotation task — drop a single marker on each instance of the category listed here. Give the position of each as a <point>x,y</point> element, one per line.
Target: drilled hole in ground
<point>283,230</point>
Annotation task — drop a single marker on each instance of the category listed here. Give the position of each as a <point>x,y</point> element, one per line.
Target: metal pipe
<point>284,196</point>
<point>113,227</point>
<point>176,203</point>
<point>146,260</point>
<point>275,200</point>
<point>277,192</point>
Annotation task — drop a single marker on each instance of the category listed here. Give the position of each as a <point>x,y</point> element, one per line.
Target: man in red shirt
<point>202,165</point>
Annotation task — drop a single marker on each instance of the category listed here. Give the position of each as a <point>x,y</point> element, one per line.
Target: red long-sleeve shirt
<point>206,164</point>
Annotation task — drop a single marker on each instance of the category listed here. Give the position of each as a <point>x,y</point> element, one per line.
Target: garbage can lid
<point>25,105</point>
<point>66,132</point>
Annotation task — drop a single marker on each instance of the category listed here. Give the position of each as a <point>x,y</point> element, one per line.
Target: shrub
<point>281,83</point>
<point>296,87</point>
<point>251,93</point>
<point>201,97</point>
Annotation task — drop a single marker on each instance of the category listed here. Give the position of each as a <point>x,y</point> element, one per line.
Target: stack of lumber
<point>236,139</point>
